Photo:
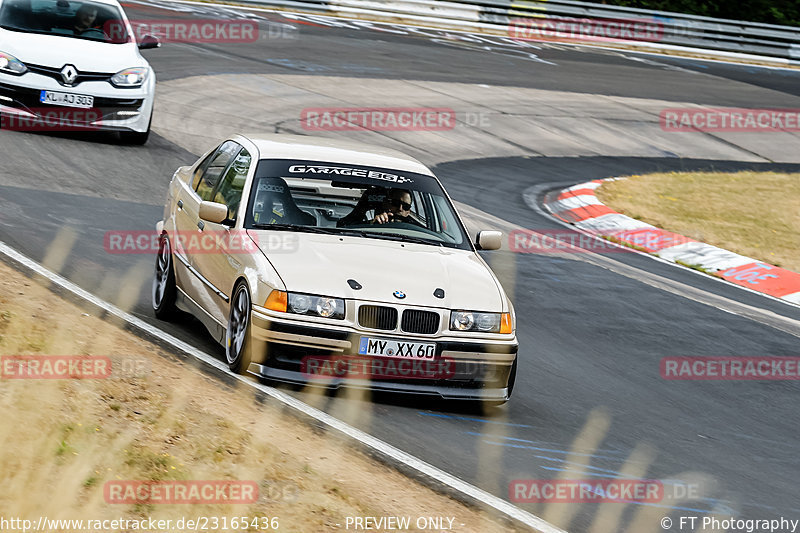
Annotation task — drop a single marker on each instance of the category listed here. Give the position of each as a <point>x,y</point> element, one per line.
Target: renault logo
<point>69,74</point>
<point>399,294</point>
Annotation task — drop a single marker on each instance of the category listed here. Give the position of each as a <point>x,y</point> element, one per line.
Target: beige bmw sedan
<point>332,263</point>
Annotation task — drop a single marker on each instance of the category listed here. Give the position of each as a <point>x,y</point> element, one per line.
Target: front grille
<point>55,73</point>
<point>377,317</point>
<point>417,321</point>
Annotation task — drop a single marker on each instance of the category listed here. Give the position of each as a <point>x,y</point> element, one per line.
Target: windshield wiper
<point>404,238</point>
<point>346,231</point>
<point>292,227</point>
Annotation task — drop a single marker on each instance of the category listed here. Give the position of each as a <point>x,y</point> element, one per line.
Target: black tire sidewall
<point>166,308</point>
<point>242,361</point>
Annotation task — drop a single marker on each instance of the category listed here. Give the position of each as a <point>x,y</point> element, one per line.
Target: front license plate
<point>402,350</point>
<point>66,99</point>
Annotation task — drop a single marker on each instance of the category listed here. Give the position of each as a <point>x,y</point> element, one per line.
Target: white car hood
<point>322,264</point>
<point>85,55</point>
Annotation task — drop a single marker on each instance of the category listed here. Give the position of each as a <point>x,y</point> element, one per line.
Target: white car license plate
<point>66,99</point>
<point>402,350</point>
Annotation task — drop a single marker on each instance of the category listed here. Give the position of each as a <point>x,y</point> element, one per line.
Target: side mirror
<point>148,42</point>
<point>489,240</point>
<point>213,212</point>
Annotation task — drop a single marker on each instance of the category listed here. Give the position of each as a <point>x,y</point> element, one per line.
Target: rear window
<point>89,20</point>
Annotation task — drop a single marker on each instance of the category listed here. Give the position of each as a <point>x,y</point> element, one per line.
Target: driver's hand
<point>382,218</point>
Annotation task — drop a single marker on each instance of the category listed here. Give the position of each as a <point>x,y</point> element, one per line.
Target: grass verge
<point>756,214</point>
<point>158,418</point>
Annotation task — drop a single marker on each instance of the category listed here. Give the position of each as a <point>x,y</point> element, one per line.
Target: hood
<point>55,51</point>
<point>322,264</point>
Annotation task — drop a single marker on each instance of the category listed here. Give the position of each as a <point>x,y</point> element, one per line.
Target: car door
<point>220,265</point>
<point>188,243</point>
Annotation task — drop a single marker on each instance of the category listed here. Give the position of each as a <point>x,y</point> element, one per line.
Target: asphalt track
<point>591,338</point>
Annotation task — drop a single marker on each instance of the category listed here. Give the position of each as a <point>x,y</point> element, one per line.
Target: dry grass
<point>750,213</point>
<point>62,440</point>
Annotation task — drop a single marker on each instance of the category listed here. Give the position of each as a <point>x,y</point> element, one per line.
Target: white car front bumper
<point>118,109</point>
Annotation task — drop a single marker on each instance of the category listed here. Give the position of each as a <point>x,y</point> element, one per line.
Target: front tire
<point>237,334</point>
<point>164,290</point>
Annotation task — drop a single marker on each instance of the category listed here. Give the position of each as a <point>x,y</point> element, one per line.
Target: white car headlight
<point>130,77</point>
<point>484,322</point>
<point>299,303</point>
<point>306,304</point>
<point>11,65</point>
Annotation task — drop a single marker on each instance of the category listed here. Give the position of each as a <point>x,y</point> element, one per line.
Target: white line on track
<point>383,448</point>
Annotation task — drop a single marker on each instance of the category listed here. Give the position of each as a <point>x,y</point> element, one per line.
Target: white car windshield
<point>356,200</point>
<point>81,20</point>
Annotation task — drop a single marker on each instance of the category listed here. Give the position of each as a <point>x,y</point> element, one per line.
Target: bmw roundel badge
<point>399,294</point>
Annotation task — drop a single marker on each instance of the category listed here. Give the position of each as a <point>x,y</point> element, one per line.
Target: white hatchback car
<point>75,54</point>
<point>334,263</point>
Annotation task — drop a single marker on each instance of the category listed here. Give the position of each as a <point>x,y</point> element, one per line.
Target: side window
<point>447,221</point>
<point>418,206</point>
<point>198,173</point>
<point>213,172</point>
<point>230,188</point>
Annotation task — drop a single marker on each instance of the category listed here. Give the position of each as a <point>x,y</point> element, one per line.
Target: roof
<point>309,148</point>
<point>109,2</point>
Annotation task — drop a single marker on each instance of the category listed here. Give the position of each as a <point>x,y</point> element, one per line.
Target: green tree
<point>785,12</point>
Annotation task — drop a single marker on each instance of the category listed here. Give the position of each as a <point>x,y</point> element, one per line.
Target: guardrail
<point>677,29</point>
<point>571,20</point>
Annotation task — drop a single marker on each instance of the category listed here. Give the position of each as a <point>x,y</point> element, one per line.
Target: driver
<point>396,208</point>
<point>85,19</point>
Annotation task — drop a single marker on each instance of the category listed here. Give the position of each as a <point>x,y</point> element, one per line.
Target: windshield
<point>356,200</point>
<point>80,20</point>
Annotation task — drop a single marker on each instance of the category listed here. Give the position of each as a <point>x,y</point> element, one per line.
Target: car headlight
<point>11,65</point>
<point>305,304</point>
<point>130,77</point>
<point>483,322</point>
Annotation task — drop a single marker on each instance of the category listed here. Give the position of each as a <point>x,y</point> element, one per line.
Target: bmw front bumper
<point>471,369</point>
